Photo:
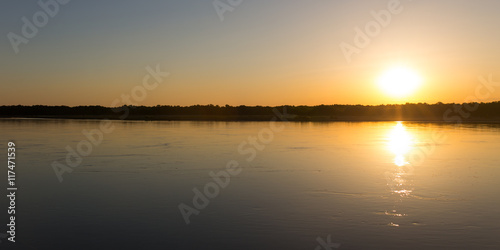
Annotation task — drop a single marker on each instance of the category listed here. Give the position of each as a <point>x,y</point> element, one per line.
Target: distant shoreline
<point>247,119</point>
<point>419,112</point>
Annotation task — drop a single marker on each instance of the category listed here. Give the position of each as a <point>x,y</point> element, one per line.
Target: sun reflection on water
<point>400,142</point>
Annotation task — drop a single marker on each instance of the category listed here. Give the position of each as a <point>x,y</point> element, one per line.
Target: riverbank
<point>255,118</point>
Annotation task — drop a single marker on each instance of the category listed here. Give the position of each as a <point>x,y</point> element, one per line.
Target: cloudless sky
<point>265,52</point>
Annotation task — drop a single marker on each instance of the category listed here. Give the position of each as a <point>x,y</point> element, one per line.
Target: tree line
<point>408,111</point>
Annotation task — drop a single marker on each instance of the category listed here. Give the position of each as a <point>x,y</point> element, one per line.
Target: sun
<point>399,81</point>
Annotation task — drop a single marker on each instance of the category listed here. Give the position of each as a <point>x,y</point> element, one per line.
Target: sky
<point>261,52</point>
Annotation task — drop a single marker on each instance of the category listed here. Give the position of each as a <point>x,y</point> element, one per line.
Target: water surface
<point>366,185</point>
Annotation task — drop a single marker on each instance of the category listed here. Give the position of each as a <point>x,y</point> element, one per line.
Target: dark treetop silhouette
<point>408,112</point>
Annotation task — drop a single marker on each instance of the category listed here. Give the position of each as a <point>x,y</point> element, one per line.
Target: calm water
<point>381,185</point>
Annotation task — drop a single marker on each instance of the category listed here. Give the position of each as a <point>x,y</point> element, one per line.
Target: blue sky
<point>264,52</point>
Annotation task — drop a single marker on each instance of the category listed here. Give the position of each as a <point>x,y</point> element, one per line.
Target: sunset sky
<point>263,52</point>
